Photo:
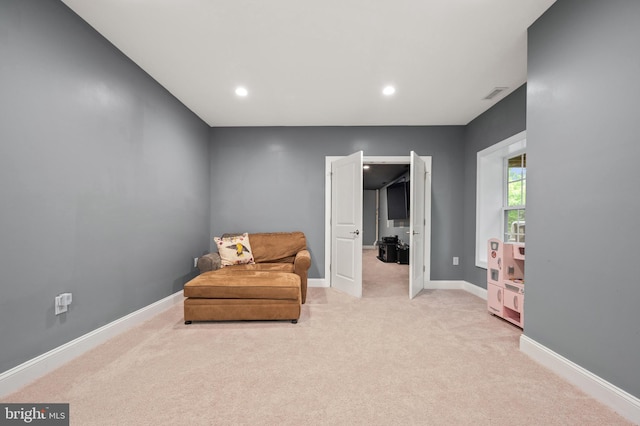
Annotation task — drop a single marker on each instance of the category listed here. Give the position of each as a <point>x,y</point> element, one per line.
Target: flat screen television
<point>398,201</point>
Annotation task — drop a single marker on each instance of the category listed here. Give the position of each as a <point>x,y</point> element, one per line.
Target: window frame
<point>505,200</point>
<point>490,191</point>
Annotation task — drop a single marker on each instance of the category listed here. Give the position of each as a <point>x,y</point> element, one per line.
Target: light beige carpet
<point>439,359</point>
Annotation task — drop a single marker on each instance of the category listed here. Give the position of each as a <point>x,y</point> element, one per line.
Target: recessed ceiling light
<point>241,91</point>
<point>388,90</point>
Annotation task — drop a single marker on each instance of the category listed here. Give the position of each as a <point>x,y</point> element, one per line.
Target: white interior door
<point>417,222</point>
<point>346,224</point>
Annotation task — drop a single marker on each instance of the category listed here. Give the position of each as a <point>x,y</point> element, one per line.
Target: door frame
<point>370,159</point>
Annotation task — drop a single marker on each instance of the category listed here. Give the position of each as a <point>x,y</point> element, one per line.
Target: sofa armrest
<point>302,261</point>
<point>209,262</point>
<point>301,265</point>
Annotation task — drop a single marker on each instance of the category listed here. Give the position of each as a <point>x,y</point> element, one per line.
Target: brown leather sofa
<point>274,287</point>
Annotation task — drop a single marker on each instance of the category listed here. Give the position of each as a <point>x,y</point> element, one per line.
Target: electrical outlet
<point>456,261</point>
<point>62,302</point>
<point>60,306</point>
<point>195,262</point>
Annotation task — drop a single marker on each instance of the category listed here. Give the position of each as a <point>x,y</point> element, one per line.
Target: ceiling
<point>324,62</point>
<point>379,175</point>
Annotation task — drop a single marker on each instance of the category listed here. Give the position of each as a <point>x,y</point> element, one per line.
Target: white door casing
<point>346,224</point>
<point>329,160</point>
<point>417,222</point>
<point>426,235</point>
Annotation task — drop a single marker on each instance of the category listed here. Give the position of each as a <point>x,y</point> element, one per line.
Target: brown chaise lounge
<point>272,288</point>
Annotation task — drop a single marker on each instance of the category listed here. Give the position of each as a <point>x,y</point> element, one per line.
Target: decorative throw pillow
<point>234,250</point>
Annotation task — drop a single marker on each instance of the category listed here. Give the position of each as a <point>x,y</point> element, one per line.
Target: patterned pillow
<point>234,250</point>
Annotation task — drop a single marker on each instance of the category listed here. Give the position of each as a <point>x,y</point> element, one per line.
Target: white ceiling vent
<point>495,93</point>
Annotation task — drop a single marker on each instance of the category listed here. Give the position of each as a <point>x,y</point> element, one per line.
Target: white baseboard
<point>475,290</point>
<point>25,373</point>
<point>610,395</point>
<point>429,285</point>
<point>443,285</point>
<point>317,282</point>
<point>457,285</point>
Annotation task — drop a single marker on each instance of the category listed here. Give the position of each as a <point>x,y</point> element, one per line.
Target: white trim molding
<point>457,285</point>
<point>490,191</point>
<point>428,285</point>
<point>25,373</point>
<point>327,199</point>
<point>608,394</point>
<point>317,282</point>
<point>367,159</point>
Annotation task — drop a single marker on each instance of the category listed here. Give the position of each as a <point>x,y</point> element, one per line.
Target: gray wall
<point>582,155</point>
<point>368,217</point>
<point>272,179</point>
<point>104,182</point>
<point>503,120</point>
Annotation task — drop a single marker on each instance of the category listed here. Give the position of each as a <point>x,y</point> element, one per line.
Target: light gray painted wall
<point>272,179</point>
<point>503,120</point>
<point>583,200</point>
<point>104,182</point>
<point>368,217</point>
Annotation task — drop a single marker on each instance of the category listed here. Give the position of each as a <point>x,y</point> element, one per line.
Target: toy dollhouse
<point>505,280</point>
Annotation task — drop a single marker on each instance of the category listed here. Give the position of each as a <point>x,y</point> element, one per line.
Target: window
<point>493,212</point>
<point>515,198</point>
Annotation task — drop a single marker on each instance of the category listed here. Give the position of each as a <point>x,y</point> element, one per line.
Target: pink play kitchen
<point>505,280</point>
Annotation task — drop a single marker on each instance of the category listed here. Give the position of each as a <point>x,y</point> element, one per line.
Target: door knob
<point>356,232</point>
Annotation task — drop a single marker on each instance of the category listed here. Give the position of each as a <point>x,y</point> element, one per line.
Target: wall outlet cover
<point>60,306</point>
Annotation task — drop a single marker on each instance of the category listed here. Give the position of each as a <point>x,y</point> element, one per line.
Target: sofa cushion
<point>225,284</point>
<point>234,250</point>
<point>273,267</point>
<point>277,246</point>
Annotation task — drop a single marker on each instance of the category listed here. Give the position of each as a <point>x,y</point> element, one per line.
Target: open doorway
<point>385,229</point>
<point>379,181</point>
<point>341,190</point>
